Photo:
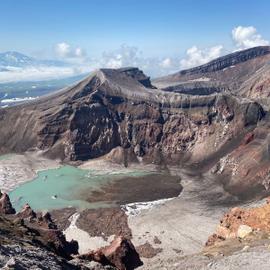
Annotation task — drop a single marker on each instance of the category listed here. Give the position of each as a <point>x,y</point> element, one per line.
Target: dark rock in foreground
<point>35,228</point>
<point>29,239</point>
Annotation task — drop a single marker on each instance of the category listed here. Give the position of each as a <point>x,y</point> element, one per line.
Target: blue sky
<point>155,28</point>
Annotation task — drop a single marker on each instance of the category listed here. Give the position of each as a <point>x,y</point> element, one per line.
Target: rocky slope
<point>112,108</point>
<point>34,228</point>
<point>243,74</point>
<point>257,86</point>
<point>228,73</point>
<point>247,165</point>
<point>30,240</point>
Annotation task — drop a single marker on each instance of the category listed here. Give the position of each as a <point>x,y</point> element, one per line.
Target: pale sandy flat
<point>17,169</point>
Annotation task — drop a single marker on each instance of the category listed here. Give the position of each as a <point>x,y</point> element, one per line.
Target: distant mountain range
<point>14,92</point>
<point>24,78</point>
<point>15,59</point>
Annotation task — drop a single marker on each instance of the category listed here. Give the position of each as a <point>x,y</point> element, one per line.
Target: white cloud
<point>79,62</point>
<point>40,73</point>
<point>196,56</point>
<point>166,63</point>
<point>131,56</point>
<point>66,51</point>
<point>247,37</point>
<point>79,52</point>
<point>62,49</point>
<point>122,57</point>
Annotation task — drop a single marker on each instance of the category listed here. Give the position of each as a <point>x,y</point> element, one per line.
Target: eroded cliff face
<point>113,108</point>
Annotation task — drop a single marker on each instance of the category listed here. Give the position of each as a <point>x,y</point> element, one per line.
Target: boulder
<point>243,231</point>
<point>121,254</point>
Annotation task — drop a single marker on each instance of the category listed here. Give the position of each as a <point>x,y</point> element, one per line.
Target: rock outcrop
<point>27,213</point>
<point>25,256</point>
<point>242,223</point>
<point>38,228</point>
<point>5,204</point>
<point>29,239</point>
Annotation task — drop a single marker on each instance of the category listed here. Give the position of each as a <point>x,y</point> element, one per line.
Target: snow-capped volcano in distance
<point>16,59</point>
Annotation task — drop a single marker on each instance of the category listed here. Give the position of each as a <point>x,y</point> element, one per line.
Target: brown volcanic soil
<point>104,222</point>
<point>138,189</point>
<point>61,217</point>
<point>147,250</point>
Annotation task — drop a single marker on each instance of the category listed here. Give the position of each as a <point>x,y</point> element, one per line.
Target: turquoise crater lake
<point>62,187</point>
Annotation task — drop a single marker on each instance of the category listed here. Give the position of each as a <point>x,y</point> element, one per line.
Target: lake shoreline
<point>176,221</point>
<point>115,184</point>
<point>17,169</point>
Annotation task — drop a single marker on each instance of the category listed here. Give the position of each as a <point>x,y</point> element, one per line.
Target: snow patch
<point>202,79</point>
<point>227,68</point>
<point>85,241</point>
<point>134,209</point>
<point>14,100</point>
